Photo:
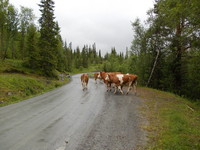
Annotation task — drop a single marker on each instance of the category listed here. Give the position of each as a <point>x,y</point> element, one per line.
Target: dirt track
<point>71,119</point>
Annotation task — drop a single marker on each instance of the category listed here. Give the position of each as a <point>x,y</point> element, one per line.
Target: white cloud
<point>104,22</point>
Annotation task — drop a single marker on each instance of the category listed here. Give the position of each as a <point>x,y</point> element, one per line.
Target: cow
<point>84,81</point>
<point>104,76</point>
<point>132,83</point>
<point>96,76</point>
<point>116,79</point>
<point>120,80</point>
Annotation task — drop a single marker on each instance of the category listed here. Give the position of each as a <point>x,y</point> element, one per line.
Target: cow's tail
<point>134,83</point>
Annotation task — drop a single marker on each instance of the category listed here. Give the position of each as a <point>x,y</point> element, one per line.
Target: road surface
<point>68,118</point>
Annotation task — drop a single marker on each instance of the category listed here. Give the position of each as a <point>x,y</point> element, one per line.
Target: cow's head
<point>107,77</point>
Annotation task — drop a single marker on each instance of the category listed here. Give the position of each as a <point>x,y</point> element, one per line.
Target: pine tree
<point>33,54</point>
<point>77,58</point>
<point>3,21</point>
<point>27,18</point>
<point>48,42</point>
<point>68,57</point>
<point>84,56</point>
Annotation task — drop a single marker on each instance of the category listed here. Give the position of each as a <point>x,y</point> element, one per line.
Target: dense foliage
<point>166,50</point>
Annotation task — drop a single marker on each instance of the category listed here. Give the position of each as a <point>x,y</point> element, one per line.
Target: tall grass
<point>174,122</point>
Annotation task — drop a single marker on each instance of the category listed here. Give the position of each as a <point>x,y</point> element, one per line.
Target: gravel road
<point>68,118</point>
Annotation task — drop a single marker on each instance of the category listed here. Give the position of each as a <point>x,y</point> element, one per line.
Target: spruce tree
<point>33,54</point>
<point>84,56</point>
<point>48,42</point>
<point>26,18</point>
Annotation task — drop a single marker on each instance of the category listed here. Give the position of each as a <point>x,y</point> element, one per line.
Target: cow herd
<point>113,79</point>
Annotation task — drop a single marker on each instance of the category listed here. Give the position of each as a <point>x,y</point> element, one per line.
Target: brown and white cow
<point>103,75</point>
<point>84,81</point>
<point>96,76</point>
<point>109,83</point>
<point>115,79</point>
<point>132,83</point>
<point>120,80</point>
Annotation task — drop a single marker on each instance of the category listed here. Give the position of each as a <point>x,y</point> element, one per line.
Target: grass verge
<point>91,68</point>
<point>173,122</point>
<point>16,87</point>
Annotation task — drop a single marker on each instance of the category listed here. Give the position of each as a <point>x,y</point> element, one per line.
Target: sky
<point>107,23</point>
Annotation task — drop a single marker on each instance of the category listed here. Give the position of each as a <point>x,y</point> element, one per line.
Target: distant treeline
<point>165,51</point>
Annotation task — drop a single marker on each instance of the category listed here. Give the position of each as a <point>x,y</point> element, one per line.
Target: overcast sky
<point>104,22</point>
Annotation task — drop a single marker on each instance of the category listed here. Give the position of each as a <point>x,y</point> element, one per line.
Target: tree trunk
<point>153,68</point>
<point>177,61</point>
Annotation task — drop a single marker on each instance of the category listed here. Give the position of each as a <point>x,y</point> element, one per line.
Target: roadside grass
<point>91,68</point>
<point>16,87</point>
<point>173,122</point>
<point>18,83</point>
<point>14,66</point>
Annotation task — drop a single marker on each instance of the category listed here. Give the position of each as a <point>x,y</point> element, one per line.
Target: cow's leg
<point>129,87</point>
<point>95,81</point>
<point>115,90</point>
<point>108,87</point>
<point>120,89</point>
<point>128,90</point>
<point>86,86</point>
<point>83,85</point>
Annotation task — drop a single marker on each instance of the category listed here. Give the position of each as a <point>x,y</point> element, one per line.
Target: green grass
<point>10,66</point>
<point>174,122</point>
<point>18,83</point>
<point>17,87</point>
<point>91,68</point>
